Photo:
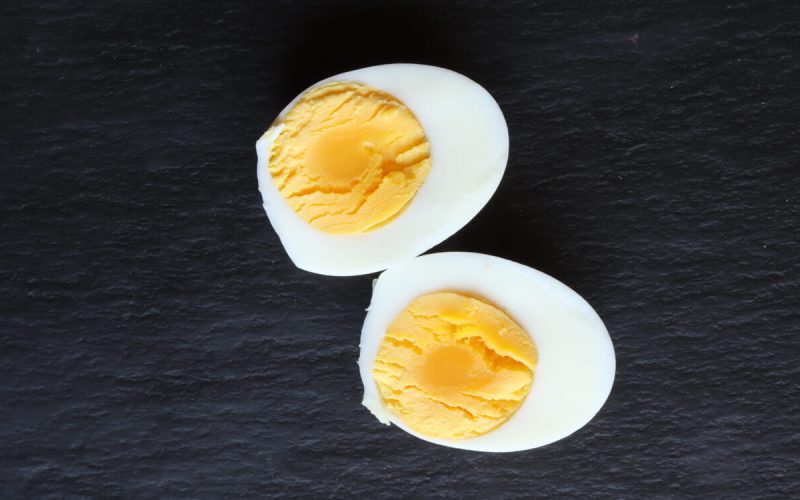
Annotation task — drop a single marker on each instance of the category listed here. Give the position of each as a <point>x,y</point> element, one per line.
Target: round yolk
<point>453,366</point>
<point>349,157</point>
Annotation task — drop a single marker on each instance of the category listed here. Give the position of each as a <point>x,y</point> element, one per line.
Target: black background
<point>157,342</point>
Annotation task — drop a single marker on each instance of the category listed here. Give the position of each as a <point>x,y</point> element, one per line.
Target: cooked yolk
<point>448,365</point>
<point>349,157</point>
<point>453,366</point>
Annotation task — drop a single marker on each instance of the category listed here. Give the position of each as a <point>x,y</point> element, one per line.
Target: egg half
<point>481,353</point>
<point>377,165</point>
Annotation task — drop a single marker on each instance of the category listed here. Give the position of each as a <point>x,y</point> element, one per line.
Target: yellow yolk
<point>349,157</point>
<point>452,366</point>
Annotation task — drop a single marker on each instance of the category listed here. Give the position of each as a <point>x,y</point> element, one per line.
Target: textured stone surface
<point>157,342</point>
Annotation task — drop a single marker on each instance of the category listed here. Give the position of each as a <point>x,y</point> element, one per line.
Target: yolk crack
<point>454,366</point>
<point>349,158</point>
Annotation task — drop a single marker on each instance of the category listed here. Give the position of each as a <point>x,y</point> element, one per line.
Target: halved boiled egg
<point>481,353</point>
<point>377,165</point>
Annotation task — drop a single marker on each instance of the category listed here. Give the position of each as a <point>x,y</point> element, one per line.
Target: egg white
<point>576,366</point>
<point>469,149</point>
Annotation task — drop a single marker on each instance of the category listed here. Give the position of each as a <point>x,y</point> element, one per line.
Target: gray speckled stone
<point>156,342</point>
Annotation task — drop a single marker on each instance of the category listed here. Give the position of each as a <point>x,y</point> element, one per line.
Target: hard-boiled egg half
<point>377,165</point>
<point>481,353</point>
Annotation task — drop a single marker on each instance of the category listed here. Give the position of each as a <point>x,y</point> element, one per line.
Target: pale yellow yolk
<point>349,157</point>
<point>453,366</point>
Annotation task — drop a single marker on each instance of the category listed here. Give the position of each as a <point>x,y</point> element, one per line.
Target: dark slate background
<point>158,343</point>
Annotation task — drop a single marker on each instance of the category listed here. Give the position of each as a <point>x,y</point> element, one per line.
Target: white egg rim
<point>490,277</point>
<point>436,96</point>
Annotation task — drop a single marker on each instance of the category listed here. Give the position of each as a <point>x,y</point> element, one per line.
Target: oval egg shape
<point>575,368</point>
<point>468,140</point>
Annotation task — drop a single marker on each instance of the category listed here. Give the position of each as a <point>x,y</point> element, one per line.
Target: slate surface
<point>157,342</point>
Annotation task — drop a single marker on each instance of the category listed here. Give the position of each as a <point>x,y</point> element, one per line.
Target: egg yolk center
<point>349,158</point>
<point>454,366</point>
<point>343,154</point>
<point>448,366</point>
